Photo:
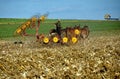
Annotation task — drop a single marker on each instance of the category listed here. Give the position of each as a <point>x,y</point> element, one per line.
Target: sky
<point>60,9</point>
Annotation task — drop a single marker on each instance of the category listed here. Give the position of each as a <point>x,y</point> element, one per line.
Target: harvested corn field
<point>96,57</point>
<point>92,58</point>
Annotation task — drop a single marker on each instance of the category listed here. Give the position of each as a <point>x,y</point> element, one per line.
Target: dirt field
<point>92,58</point>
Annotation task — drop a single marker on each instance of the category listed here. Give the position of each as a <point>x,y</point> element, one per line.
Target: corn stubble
<point>92,58</point>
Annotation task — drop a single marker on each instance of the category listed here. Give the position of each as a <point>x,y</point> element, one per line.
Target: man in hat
<point>58,28</point>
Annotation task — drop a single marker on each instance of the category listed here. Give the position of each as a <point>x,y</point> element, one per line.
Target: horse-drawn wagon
<point>62,36</point>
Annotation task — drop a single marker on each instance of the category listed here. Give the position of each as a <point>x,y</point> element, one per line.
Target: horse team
<point>58,35</point>
<point>68,34</point>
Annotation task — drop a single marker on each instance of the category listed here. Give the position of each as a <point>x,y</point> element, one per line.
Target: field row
<point>8,26</point>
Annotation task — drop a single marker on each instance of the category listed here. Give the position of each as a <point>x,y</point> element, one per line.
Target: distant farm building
<point>108,17</point>
<point>113,19</point>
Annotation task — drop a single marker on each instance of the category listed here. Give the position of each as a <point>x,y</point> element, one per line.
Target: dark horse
<point>70,32</point>
<point>84,32</point>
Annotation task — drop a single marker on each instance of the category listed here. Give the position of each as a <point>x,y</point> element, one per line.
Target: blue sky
<point>60,9</point>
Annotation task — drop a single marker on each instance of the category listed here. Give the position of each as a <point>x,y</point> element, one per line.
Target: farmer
<point>58,28</point>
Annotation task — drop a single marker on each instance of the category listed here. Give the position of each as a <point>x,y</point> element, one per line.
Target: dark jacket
<point>58,27</point>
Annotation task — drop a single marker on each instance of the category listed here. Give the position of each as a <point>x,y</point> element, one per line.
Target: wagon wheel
<point>55,39</point>
<point>64,40</point>
<point>77,33</point>
<point>18,31</point>
<point>74,40</point>
<point>46,40</point>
